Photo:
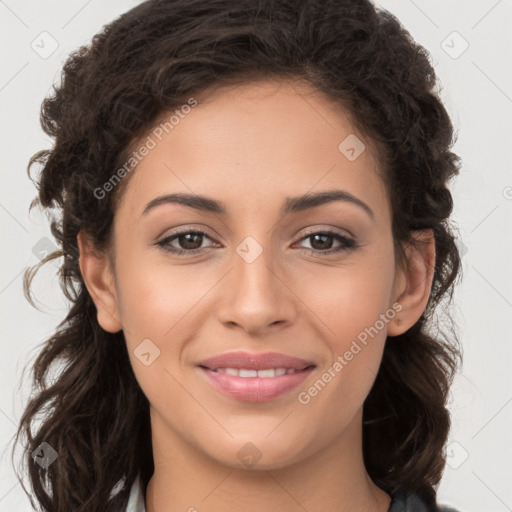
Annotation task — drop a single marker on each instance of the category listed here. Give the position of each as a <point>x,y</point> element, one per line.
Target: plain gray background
<point>470,44</point>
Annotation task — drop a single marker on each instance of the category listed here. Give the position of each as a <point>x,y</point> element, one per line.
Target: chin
<point>257,455</point>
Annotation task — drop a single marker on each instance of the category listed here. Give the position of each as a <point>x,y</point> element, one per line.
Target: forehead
<point>254,144</point>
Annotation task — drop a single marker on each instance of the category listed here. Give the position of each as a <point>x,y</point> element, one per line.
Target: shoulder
<point>403,502</point>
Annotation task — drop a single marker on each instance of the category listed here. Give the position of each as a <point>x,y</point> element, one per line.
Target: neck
<point>186,479</point>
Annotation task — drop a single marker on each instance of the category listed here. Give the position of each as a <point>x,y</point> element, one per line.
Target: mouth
<point>250,385</point>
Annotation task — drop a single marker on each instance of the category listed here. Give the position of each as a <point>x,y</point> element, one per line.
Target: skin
<point>252,146</point>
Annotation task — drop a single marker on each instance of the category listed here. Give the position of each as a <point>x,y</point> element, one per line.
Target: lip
<point>255,361</point>
<point>255,389</point>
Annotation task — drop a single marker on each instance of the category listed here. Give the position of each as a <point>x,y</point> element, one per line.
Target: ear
<point>413,284</point>
<point>99,280</point>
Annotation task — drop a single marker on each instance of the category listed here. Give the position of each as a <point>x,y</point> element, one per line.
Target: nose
<point>257,295</point>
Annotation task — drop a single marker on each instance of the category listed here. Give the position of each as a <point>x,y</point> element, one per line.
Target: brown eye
<point>185,241</point>
<point>322,242</point>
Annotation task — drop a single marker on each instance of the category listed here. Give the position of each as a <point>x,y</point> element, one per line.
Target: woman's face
<point>259,280</point>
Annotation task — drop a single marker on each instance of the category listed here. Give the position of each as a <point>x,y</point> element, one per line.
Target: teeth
<point>247,373</point>
<point>243,372</point>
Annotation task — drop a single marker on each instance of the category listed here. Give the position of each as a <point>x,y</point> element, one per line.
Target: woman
<point>212,360</point>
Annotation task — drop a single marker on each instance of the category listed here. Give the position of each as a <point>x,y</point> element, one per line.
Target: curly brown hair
<point>149,61</point>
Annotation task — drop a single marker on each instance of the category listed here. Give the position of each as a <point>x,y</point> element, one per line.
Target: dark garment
<point>401,502</point>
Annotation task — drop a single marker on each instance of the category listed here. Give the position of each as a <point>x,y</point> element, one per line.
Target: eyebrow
<point>291,204</point>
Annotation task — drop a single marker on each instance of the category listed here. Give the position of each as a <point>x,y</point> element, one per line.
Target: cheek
<point>347,300</point>
<point>155,307</point>
<point>160,303</point>
<point>352,308</point>
<point>153,298</point>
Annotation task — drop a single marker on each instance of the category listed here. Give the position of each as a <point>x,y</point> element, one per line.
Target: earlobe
<point>414,282</point>
<point>99,280</point>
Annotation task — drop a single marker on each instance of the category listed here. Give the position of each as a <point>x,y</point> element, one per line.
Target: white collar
<point>136,501</point>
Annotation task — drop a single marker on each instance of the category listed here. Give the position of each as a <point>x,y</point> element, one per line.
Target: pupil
<point>322,246</point>
<point>189,243</point>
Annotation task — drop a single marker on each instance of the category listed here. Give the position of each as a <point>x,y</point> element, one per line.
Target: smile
<point>255,385</point>
<point>246,372</point>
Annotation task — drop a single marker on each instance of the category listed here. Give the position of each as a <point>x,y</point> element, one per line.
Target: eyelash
<point>347,243</point>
